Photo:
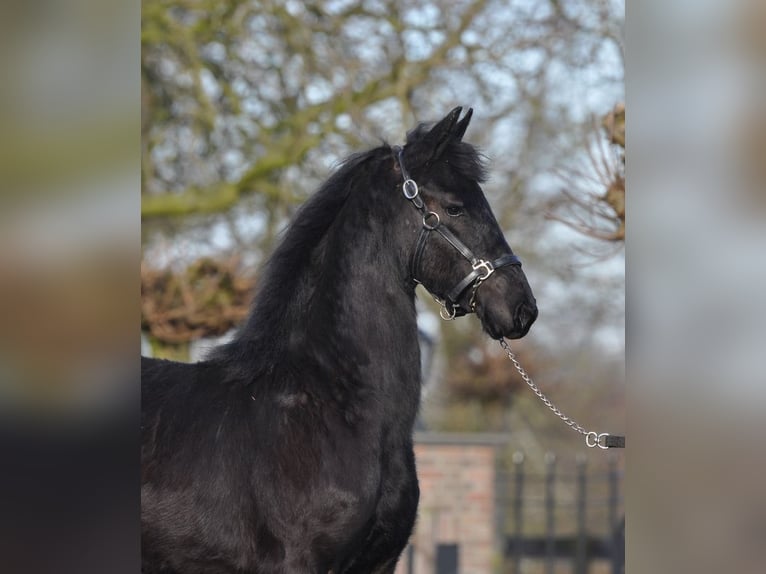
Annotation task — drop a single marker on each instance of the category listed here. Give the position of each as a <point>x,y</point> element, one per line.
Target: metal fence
<point>564,520</point>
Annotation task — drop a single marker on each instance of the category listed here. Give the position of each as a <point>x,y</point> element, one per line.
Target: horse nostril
<point>525,315</point>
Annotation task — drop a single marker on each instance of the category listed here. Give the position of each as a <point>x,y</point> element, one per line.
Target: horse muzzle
<point>505,305</point>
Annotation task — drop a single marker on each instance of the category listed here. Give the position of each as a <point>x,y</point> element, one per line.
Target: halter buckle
<point>485,266</point>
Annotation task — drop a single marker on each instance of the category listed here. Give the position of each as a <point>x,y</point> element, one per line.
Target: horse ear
<point>440,134</point>
<point>462,125</point>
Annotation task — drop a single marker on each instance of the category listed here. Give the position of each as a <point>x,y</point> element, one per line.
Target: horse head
<point>457,249</point>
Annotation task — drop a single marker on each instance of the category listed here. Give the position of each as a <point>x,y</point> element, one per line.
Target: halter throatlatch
<point>481,269</point>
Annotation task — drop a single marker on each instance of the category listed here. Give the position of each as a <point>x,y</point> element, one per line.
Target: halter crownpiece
<point>481,269</point>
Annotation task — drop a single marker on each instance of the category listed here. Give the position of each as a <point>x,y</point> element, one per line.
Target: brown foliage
<point>208,298</point>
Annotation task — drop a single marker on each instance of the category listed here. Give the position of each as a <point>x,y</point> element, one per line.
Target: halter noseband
<point>481,268</point>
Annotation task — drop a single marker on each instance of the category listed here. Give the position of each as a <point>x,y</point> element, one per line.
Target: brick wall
<point>458,484</point>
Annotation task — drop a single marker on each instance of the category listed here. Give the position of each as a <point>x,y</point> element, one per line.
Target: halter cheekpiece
<point>481,269</point>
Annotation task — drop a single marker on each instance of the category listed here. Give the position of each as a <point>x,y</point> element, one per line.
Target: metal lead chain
<point>592,439</point>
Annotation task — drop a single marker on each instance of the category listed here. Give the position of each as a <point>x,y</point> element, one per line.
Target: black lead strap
<point>615,441</point>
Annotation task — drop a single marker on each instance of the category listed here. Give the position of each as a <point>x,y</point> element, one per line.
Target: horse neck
<point>347,299</point>
<point>360,296</point>
<point>360,330</point>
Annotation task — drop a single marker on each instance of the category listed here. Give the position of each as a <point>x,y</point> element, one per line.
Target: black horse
<point>290,449</point>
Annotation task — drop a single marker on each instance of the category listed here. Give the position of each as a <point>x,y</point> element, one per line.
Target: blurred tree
<point>593,200</point>
<point>235,92</point>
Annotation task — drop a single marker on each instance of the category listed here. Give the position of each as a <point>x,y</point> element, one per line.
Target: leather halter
<point>481,269</point>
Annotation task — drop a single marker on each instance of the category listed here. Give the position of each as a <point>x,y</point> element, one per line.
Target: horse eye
<point>454,210</point>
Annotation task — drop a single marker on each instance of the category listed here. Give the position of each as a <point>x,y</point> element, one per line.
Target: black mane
<point>285,285</point>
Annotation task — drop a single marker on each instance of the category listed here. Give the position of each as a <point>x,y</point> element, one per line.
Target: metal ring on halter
<point>410,189</point>
<point>427,216</point>
<point>446,314</point>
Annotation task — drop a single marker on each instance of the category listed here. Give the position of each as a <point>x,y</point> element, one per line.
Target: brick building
<point>459,521</point>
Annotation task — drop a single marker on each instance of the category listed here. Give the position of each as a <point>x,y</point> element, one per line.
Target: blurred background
<point>248,106</point>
